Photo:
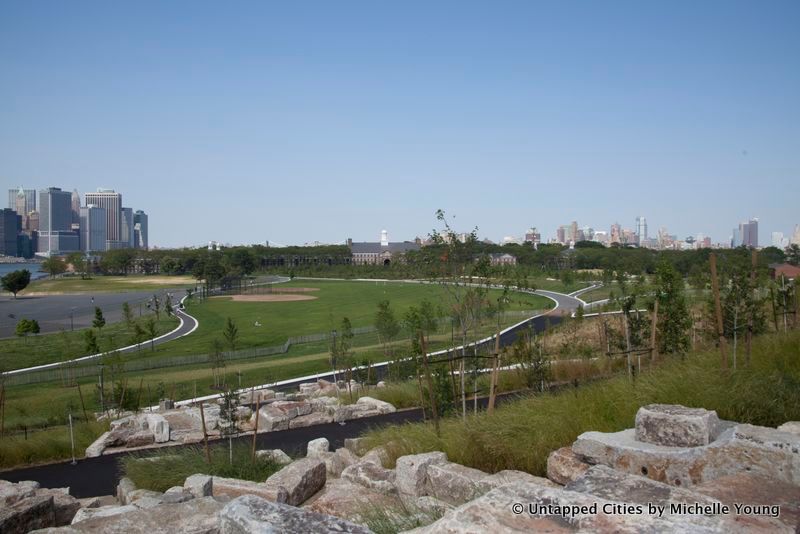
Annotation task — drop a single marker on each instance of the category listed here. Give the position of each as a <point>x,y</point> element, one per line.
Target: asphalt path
<point>92,477</point>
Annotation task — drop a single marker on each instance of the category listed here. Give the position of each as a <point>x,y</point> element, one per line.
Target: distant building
<point>533,236</point>
<point>55,223</point>
<point>795,236</point>
<point>110,201</point>
<point>93,229</point>
<point>616,233</point>
<point>126,233</point>
<point>748,233</point>
<point>562,234</point>
<point>791,272</point>
<point>498,258</point>
<point>9,228</point>
<point>140,237</point>
<point>379,253</point>
<point>641,231</point>
<point>779,241</point>
<point>28,199</point>
<point>76,207</point>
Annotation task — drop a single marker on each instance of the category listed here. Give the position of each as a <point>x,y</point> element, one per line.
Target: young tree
<point>387,325</point>
<point>673,316</point>
<point>152,331</point>
<point>157,307</point>
<point>99,321</point>
<point>127,314</point>
<point>217,362</point>
<point>78,262</point>
<point>16,281</point>
<point>168,305</point>
<point>27,326</point>
<point>138,334</point>
<point>231,334</point>
<point>90,338</point>
<point>54,266</point>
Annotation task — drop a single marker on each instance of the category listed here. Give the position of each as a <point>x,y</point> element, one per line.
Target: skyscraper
<point>110,201</point>
<point>93,229</point>
<point>55,222</point>
<point>9,228</point>
<point>748,233</point>
<point>140,238</point>
<point>641,231</point>
<point>76,207</point>
<point>29,201</point>
<point>126,227</point>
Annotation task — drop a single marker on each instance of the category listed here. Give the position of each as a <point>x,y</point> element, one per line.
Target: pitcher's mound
<point>271,298</point>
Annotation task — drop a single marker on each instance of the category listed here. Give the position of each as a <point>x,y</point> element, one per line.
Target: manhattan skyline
<point>322,122</point>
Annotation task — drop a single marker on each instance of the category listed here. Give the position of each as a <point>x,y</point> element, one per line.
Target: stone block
<point>355,445</point>
<point>343,498</point>
<point>375,404</point>
<point>249,514</point>
<point>301,479</point>
<point>316,447</point>
<point>564,466</point>
<point>233,487</point>
<point>159,426</point>
<point>336,462</point>
<point>197,516</point>
<point>140,438</point>
<point>102,511</point>
<point>97,447</point>
<point>199,485</point>
<point>511,476</point>
<point>412,472</point>
<point>312,419</point>
<point>275,455</point>
<point>377,456</point>
<point>675,426</point>
<point>371,476</point>
<point>792,427</point>
<point>166,404</point>
<point>11,493</point>
<point>64,504</point>
<point>28,514</point>
<point>124,488</point>
<point>271,419</point>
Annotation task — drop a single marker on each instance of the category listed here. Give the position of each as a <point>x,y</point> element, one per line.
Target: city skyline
<point>326,123</point>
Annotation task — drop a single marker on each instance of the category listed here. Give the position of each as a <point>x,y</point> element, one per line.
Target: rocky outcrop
<point>412,474</point>
<point>343,498</point>
<point>249,514</point>
<point>371,476</point>
<point>197,516</point>
<point>234,487</point>
<point>275,455</point>
<point>27,514</point>
<point>564,466</point>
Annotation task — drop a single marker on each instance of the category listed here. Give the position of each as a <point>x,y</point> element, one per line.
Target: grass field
<point>100,283</point>
<point>40,349</point>
<point>521,434</point>
<point>335,300</point>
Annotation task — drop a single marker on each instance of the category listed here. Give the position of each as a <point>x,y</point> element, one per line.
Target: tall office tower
<point>93,229</point>
<point>140,230</point>
<point>573,231</point>
<point>641,231</point>
<point>76,207</point>
<point>616,233</point>
<point>561,234</point>
<point>9,228</point>
<point>110,201</point>
<point>126,228</point>
<point>795,236</point>
<point>29,199</point>
<point>55,222</point>
<point>748,233</point>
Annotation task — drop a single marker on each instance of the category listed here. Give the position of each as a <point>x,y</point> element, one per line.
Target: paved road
<point>92,477</point>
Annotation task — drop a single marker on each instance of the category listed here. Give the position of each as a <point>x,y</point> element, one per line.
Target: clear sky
<point>302,121</point>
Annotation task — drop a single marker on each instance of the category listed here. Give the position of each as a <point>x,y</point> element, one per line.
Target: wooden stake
<point>718,309</point>
<point>493,385</point>
<point>2,409</point>
<point>626,329</point>
<point>750,319</point>
<point>255,429</point>
<point>83,406</point>
<point>434,411</point>
<point>205,434</point>
<point>421,397</point>
<point>653,327</point>
<point>121,406</point>
<point>139,396</point>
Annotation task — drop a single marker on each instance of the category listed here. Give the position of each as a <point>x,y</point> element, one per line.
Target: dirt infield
<point>269,298</point>
<point>294,289</point>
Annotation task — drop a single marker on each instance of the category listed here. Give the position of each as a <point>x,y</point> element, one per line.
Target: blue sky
<point>302,121</point>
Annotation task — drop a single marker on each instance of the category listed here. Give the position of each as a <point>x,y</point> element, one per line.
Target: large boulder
<point>159,426</point>
<point>510,476</point>
<point>412,473</point>
<point>377,456</point>
<point>312,419</point>
<point>454,483</point>
<point>371,476</point>
<point>676,426</point>
<point>234,487</point>
<point>356,445</point>
<point>140,438</point>
<point>249,514</point>
<point>336,462</point>
<point>375,404</point>
<point>301,479</point>
<point>64,504</point>
<point>275,455</point>
<point>102,511</point>
<point>792,427</point>
<point>271,419</point>
<point>197,516</point>
<point>292,409</point>
<point>97,447</point>
<point>124,488</point>
<point>28,514</point>
<point>316,447</point>
<point>564,466</point>
<point>11,493</point>
<point>343,498</point>
<point>742,448</point>
<point>199,485</point>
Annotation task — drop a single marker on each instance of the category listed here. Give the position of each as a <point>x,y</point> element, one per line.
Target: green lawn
<point>335,299</point>
<point>48,348</point>
<point>100,283</point>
